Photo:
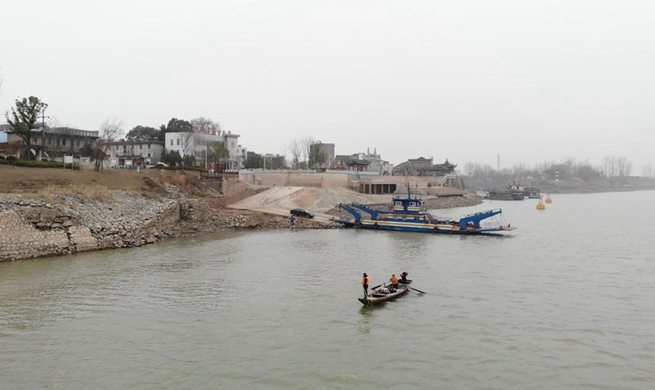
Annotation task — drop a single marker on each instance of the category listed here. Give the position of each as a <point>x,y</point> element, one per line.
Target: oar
<point>417,290</point>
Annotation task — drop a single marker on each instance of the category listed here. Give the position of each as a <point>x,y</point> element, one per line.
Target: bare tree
<point>609,166</point>
<point>647,171</point>
<point>110,130</point>
<point>616,166</point>
<point>295,148</point>
<point>306,150</point>
<point>188,144</point>
<point>623,166</point>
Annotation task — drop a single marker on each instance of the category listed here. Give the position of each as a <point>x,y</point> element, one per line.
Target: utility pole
<point>43,133</point>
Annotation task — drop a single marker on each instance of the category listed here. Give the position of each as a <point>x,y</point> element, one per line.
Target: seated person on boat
<point>394,281</point>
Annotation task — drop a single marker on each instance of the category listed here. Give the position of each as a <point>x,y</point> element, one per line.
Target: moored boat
<point>385,293</point>
<point>409,215</point>
<point>505,195</point>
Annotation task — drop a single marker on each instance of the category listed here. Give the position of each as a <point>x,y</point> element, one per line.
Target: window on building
<point>63,142</point>
<point>171,142</point>
<point>77,142</point>
<point>178,142</point>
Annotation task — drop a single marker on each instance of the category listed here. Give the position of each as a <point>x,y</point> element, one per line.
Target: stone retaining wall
<point>35,228</point>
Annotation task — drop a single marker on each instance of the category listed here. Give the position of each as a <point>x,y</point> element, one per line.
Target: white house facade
<point>197,144</point>
<point>133,154</point>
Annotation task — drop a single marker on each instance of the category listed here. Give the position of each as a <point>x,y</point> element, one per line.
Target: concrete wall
<point>353,180</point>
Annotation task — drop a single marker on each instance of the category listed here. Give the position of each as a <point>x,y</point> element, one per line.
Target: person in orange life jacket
<point>394,281</point>
<point>366,281</point>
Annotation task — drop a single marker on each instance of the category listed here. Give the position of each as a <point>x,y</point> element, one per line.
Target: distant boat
<point>409,215</point>
<point>505,195</point>
<point>541,205</point>
<point>548,199</point>
<point>534,194</point>
<point>514,191</point>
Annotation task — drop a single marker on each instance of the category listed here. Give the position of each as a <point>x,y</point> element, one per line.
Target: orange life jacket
<point>366,281</point>
<point>394,280</point>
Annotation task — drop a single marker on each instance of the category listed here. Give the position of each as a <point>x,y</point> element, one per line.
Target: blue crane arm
<point>355,213</point>
<point>477,217</point>
<point>374,213</point>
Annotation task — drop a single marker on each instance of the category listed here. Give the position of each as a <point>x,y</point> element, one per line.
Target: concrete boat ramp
<point>279,200</point>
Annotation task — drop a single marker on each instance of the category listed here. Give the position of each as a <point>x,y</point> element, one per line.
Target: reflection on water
<point>563,304</point>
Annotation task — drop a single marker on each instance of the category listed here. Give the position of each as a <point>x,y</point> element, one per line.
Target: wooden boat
<point>379,295</point>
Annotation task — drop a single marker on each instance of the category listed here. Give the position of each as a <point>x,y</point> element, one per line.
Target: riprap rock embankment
<point>70,223</point>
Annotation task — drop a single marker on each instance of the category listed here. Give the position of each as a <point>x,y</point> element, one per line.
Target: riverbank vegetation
<point>614,174</point>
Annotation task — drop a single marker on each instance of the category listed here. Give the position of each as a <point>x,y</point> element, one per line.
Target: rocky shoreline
<point>32,226</point>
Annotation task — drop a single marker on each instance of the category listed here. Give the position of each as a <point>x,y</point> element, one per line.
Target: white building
<point>242,155</point>
<point>197,144</point>
<point>377,164</point>
<point>133,154</point>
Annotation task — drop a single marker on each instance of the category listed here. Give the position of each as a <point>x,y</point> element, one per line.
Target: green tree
<point>253,160</point>
<point>172,158</point>
<point>86,150</point>
<point>189,160</point>
<point>24,117</point>
<point>175,126</point>
<point>179,126</point>
<point>143,133</point>
<point>219,151</point>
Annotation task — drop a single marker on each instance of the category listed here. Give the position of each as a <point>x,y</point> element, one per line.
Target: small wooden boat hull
<point>375,297</point>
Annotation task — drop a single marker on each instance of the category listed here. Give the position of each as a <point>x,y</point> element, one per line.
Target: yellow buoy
<point>541,205</point>
<point>548,200</point>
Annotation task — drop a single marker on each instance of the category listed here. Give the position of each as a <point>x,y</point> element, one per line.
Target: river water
<point>568,302</point>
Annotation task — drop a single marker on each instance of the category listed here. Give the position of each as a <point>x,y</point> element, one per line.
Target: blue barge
<point>409,215</point>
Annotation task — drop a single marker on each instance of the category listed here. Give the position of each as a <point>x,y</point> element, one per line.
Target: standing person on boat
<point>394,281</point>
<point>403,277</point>
<point>366,281</point>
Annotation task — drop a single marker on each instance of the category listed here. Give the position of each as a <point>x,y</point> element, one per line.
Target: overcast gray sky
<point>531,81</point>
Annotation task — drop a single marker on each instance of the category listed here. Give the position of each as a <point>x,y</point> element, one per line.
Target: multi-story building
<point>366,162</point>
<point>132,154</point>
<point>197,144</point>
<point>423,167</point>
<point>55,142</point>
<point>242,155</point>
<point>326,153</point>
